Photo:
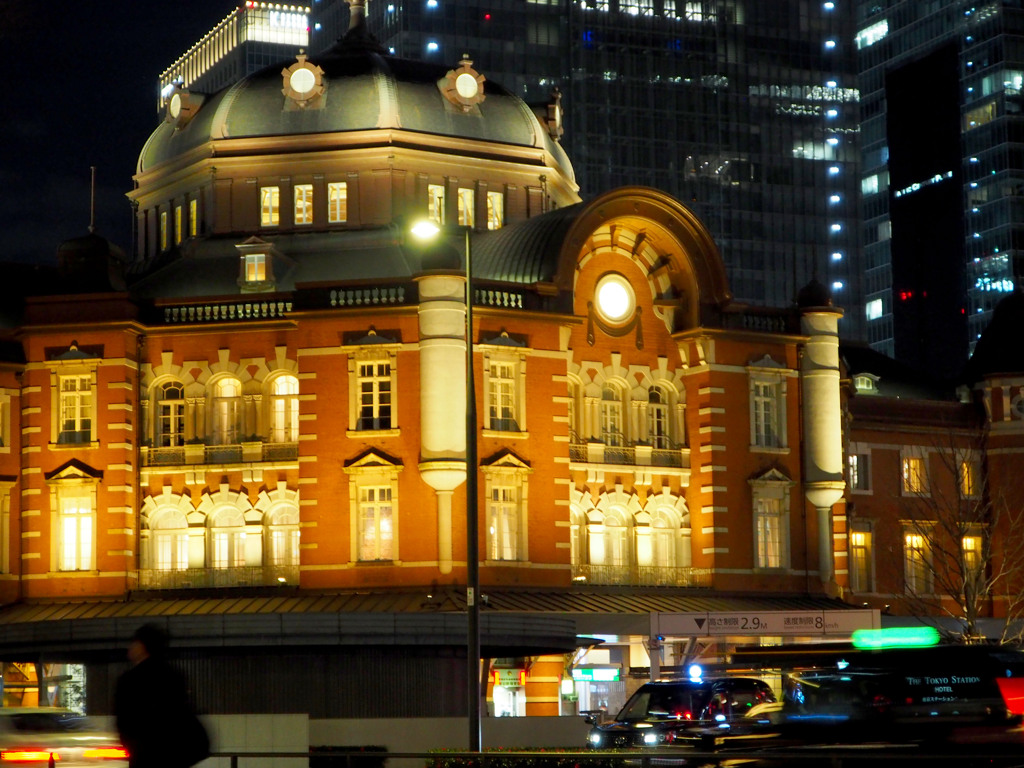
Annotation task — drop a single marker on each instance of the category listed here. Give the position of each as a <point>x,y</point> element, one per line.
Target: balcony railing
<point>620,451</point>
<point>207,578</point>
<point>218,454</point>
<point>642,575</point>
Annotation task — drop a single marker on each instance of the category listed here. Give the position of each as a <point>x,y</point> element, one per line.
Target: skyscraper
<point>942,172</point>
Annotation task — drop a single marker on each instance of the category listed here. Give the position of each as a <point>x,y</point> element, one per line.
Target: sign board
<point>837,623</point>
<point>596,674</point>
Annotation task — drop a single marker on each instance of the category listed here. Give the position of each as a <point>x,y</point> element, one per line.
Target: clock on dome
<point>303,82</point>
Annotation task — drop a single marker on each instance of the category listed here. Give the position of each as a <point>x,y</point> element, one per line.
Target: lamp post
<point>428,230</point>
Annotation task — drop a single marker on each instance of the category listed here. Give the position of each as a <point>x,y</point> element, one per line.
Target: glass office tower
<point>942,171</point>
<point>745,110</point>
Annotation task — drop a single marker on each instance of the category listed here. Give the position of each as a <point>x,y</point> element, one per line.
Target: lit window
<point>917,563</point>
<point>227,539</point>
<point>76,409</point>
<point>170,420</point>
<point>227,411</point>
<point>834,199</point>
<point>768,532</point>
<point>284,409</point>
<point>658,432</point>
<point>337,202</point>
<point>837,285</point>
<point>607,541</point>
<point>432,46</point>
<point>255,267</point>
<point>830,44</point>
<point>861,560</point>
<point>502,396</point>
<point>969,477</point>
<point>979,116</point>
<point>837,255</point>
<point>914,478</point>
<point>836,227</point>
<point>76,527</point>
<point>467,204</point>
<point>193,217</point>
<point>766,424</point>
<point>303,203</point>
<point>283,536</point>
<point>611,417</point>
<point>495,210</point>
<point>871,35</point>
<point>972,555</point>
<point>503,523</point>
<point>435,203</point>
<point>873,309</point>
<point>270,206</point>
<point>163,231</point>
<point>178,231</point>
<point>858,469</point>
<point>374,387</point>
<point>170,541</point>
<point>833,170</point>
<point>375,523</point>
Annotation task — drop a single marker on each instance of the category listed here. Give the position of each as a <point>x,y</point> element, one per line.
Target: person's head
<point>149,641</point>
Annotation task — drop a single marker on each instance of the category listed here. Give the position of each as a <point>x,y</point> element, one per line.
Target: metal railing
<point>206,578</point>
<point>642,575</point>
<point>230,453</point>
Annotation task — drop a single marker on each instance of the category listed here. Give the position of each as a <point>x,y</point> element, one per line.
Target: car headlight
<point>595,739</point>
<point>651,739</point>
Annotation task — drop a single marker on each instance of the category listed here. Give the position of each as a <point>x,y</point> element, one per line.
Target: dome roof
<point>363,89</point>
<point>998,351</point>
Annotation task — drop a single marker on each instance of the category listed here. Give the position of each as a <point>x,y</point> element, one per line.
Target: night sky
<point>81,91</point>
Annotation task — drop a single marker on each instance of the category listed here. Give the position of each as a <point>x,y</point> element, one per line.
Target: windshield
<point>665,703</point>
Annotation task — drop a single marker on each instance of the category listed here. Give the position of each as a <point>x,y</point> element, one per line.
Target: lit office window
<point>467,204</point>
<point>303,203</point>
<point>337,202</point>
<point>435,203</point>
<point>270,206</point>
<point>495,210</point>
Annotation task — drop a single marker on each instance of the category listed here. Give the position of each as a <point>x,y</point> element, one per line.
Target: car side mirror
<point>590,717</point>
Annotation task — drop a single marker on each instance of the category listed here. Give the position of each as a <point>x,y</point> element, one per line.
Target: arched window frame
<point>282,408</point>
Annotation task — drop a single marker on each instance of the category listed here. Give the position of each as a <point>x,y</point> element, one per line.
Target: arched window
<point>577,536</point>
<point>283,536</point>
<point>227,539</point>
<point>658,430</point>
<point>284,409</point>
<point>611,416</point>
<point>170,415</point>
<point>227,411</point>
<point>170,550</point>
<point>607,539</point>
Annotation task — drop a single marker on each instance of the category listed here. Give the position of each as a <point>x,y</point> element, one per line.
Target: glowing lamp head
<point>695,671</point>
<point>425,229</point>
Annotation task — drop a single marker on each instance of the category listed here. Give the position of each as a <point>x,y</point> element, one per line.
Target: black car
<point>659,713</point>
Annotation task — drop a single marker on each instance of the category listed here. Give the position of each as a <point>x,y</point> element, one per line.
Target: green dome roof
<point>363,90</point>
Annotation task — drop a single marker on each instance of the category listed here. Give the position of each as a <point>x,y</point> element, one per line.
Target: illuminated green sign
<point>896,637</point>
<point>596,675</point>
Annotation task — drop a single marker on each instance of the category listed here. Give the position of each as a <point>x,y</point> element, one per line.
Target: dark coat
<point>155,719</point>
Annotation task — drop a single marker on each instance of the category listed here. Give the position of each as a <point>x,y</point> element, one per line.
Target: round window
<point>302,81</point>
<point>175,106</point>
<point>615,299</point>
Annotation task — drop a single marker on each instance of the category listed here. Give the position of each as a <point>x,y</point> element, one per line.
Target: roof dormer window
<point>257,259</point>
<point>865,384</point>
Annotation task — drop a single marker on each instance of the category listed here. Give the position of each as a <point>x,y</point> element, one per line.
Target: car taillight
<point>881,703</point>
<point>1012,691</point>
<point>29,756</point>
<point>106,753</point>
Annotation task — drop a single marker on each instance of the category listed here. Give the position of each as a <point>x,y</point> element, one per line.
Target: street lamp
<point>428,230</point>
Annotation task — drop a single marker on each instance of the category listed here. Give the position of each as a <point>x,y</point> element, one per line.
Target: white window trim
<point>519,411</point>
<point>860,449</point>
<point>371,355</point>
<point>373,470</point>
<point>72,486</point>
<point>509,473</point>
<point>767,371</point>
<point>924,530</point>
<point>775,486</point>
<point>56,373</point>
<point>915,452</point>
<point>866,527</point>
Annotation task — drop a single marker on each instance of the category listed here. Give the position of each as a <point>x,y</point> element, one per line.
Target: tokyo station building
<point>251,427</point>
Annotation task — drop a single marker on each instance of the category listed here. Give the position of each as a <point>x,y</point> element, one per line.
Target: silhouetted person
<point>154,715</point>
